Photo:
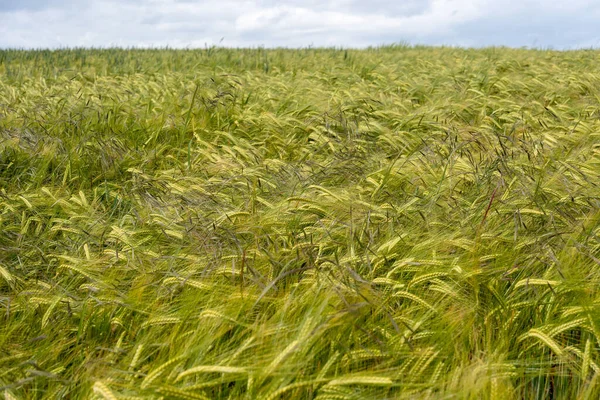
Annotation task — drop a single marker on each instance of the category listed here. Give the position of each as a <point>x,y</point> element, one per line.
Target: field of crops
<point>397,222</point>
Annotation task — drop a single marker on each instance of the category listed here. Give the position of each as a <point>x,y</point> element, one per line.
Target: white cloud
<point>298,23</point>
<point>441,15</point>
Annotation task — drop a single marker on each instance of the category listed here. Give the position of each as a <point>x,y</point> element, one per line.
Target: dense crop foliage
<point>387,223</point>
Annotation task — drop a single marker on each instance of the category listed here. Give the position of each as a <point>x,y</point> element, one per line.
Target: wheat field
<point>390,223</point>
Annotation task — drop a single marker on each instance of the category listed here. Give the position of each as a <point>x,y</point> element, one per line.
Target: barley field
<point>390,223</point>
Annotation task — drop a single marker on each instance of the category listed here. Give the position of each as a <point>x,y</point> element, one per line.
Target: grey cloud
<point>298,23</point>
<point>552,31</point>
<point>31,5</point>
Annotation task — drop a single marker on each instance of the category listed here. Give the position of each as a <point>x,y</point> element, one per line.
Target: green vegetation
<point>395,222</point>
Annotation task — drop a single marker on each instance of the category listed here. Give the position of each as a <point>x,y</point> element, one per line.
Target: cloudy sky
<point>558,24</point>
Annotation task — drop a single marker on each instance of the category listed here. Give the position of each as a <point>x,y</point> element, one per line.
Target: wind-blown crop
<point>394,222</point>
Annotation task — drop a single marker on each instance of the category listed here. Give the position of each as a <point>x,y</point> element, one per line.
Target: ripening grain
<point>394,222</point>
